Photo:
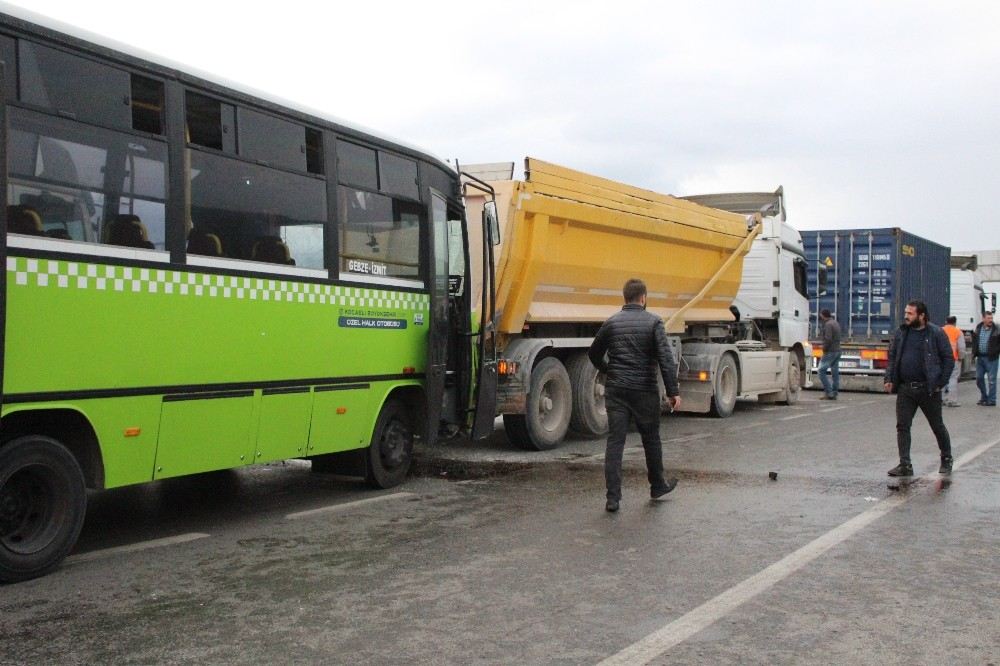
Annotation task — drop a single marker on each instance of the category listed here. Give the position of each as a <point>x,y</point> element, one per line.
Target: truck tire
<point>391,451</point>
<point>547,414</point>
<point>725,388</point>
<point>589,416</point>
<point>794,388</point>
<point>43,500</point>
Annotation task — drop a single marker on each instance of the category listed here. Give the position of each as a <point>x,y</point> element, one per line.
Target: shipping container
<point>865,277</point>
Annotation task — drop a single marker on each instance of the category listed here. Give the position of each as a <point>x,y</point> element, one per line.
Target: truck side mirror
<point>492,222</point>
<point>820,281</point>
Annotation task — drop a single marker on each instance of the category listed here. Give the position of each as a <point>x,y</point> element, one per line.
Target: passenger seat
<point>272,250</point>
<point>128,231</point>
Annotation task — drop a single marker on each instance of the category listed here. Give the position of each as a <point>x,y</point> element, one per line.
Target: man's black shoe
<point>981,402</point>
<point>901,469</point>
<point>611,506</point>
<point>945,467</point>
<point>657,493</point>
<point>828,397</point>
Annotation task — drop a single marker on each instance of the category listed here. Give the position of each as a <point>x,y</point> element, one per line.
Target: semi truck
<point>967,302</point>
<point>730,287</point>
<point>865,277</point>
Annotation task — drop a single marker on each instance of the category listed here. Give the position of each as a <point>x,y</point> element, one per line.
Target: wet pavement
<point>496,555</point>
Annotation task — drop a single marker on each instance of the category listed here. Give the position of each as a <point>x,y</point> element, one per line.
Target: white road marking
<point>833,409</point>
<point>134,547</point>
<point>797,416</point>
<point>347,505</point>
<point>689,624</point>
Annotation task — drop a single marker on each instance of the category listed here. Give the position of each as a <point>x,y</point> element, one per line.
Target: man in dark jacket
<point>920,365</point>
<point>986,349</point>
<point>831,355</point>
<point>636,346</point>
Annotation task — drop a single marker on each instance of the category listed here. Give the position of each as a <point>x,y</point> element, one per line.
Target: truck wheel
<point>794,388</point>
<point>546,420</point>
<point>589,417</point>
<point>726,386</point>
<point>43,500</point>
<point>391,451</point>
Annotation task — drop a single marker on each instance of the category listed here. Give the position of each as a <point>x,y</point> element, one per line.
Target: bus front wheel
<point>43,500</point>
<point>391,451</point>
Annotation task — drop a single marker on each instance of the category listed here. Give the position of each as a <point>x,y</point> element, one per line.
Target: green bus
<point>201,277</point>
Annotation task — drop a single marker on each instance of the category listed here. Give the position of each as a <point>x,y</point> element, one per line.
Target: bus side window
<point>257,213</point>
<point>79,179</point>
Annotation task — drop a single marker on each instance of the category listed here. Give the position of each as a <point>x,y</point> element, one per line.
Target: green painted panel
<point>81,325</point>
<point>204,435</point>
<point>284,426</point>
<point>103,328</point>
<point>340,421</point>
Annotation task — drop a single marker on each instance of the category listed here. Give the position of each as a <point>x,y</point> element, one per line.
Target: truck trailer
<point>570,240</point>
<point>865,277</point>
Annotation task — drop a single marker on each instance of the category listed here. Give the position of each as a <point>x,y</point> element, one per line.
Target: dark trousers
<point>908,399</point>
<point>644,407</point>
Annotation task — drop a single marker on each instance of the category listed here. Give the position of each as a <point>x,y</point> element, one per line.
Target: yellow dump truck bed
<point>570,240</point>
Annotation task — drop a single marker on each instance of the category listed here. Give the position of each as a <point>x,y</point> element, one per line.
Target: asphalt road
<point>494,555</point>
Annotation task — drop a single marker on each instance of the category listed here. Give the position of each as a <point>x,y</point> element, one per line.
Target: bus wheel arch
<point>43,501</point>
<point>71,428</point>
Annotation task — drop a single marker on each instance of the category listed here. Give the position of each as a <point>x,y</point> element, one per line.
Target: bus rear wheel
<point>43,500</point>
<point>391,451</point>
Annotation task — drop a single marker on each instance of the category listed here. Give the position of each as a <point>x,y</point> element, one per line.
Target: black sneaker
<point>945,467</point>
<point>611,506</point>
<point>902,469</point>
<point>657,493</point>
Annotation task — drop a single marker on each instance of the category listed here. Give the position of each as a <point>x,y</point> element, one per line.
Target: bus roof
<point>75,32</point>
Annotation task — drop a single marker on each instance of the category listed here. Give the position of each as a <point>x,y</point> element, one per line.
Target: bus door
<point>462,359</point>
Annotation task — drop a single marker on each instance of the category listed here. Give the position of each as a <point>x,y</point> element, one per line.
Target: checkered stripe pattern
<point>24,272</point>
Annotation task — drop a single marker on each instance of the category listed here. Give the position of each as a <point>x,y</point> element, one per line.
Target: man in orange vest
<point>957,339</point>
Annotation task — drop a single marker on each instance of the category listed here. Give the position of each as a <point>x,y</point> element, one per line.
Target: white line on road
<point>689,624</point>
<point>348,505</point>
<point>131,548</point>
<point>833,409</point>
<point>797,416</point>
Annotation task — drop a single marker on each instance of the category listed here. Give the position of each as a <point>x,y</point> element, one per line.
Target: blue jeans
<point>986,379</point>
<point>830,362</point>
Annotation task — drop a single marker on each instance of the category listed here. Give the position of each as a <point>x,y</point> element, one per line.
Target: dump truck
<point>865,277</point>
<point>567,243</point>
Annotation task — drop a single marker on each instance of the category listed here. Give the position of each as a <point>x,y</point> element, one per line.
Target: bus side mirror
<point>491,221</point>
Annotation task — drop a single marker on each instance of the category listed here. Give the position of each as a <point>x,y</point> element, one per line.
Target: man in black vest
<point>920,365</point>
<point>636,345</point>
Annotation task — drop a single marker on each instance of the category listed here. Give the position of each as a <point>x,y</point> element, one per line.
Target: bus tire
<point>726,387</point>
<point>589,417</point>
<point>43,500</point>
<point>794,388</point>
<point>548,408</point>
<point>391,451</point>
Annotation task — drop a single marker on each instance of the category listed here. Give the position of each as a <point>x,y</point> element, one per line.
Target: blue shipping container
<point>870,276</point>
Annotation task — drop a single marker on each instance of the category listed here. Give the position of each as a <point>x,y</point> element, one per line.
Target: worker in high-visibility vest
<point>957,339</point>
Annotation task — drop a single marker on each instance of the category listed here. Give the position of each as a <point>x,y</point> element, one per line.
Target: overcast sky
<point>870,114</point>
